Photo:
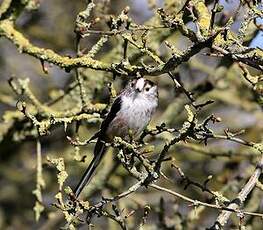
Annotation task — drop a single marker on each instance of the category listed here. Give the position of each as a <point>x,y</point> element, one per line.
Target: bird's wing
<point>115,108</point>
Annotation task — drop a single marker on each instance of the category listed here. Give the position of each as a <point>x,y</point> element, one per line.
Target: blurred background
<point>208,77</point>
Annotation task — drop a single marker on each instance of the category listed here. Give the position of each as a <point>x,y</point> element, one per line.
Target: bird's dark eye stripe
<point>150,83</point>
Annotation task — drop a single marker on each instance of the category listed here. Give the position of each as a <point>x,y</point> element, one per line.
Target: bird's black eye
<point>147,89</point>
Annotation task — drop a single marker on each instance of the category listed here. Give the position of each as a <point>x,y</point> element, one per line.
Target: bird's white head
<point>143,88</point>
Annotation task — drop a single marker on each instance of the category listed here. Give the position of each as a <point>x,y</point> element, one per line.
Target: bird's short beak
<point>138,90</point>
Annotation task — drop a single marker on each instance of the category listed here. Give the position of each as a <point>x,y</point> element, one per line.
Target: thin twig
<point>239,200</point>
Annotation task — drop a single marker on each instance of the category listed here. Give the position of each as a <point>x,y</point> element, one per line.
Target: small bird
<point>130,113</point>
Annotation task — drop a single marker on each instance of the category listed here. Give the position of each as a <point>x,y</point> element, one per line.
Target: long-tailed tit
<point>130,113</point>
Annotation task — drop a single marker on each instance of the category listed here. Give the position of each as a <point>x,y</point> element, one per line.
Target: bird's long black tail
<point>99,151</point>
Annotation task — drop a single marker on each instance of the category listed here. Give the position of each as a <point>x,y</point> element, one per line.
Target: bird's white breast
<point>134,116</point>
